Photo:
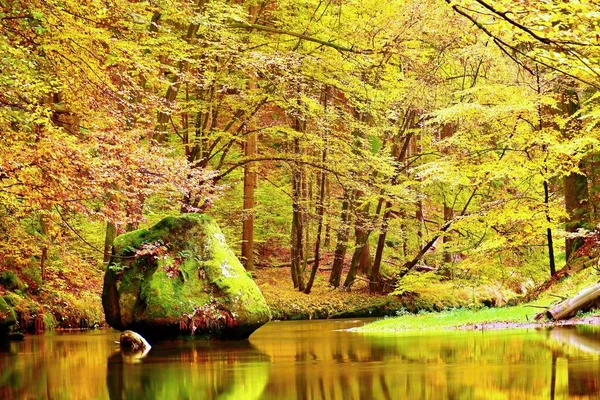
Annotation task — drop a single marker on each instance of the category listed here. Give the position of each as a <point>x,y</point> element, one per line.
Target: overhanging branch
<point>328,43</point>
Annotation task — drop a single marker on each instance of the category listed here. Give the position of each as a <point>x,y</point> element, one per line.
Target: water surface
<point>311,360</point>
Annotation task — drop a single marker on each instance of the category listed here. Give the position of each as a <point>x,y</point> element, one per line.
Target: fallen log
<point>583,300</point>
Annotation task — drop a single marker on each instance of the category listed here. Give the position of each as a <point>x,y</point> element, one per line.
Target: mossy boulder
<point>180,277</point>
<point>7,317</point>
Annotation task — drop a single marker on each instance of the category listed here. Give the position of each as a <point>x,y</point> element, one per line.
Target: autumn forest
<point>432,153</point>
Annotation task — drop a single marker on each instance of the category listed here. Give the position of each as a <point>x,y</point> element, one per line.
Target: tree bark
<point>342,244</point>
<point>320,205</point>
<point>248,211</point>
<point>297,217</point>
<point>109,238</point>
<point>362,236</point>
<point>576,184</point>
<point>401,153</point>
<point>569,307</point>
<point>447,131</point>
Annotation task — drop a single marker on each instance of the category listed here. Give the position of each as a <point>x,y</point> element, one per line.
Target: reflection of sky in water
<point>311,360</point>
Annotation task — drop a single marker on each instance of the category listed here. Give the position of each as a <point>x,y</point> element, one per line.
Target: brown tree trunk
<point>327,242</point>
<point>576,184</point>
<point>447,131</point>
<point>543,116</point>
<point>362,233</point>
<point>248,212</point>
<point>362,236</point>
<point>569,307</point>
<point>342,243</point>
<point>320,210</point>
<point>400,152</point>
<point>297,217</point>
<point>320,205</point>
<point>109,238</point>
<point>249,185</point>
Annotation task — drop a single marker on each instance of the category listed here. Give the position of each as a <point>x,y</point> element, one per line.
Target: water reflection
<point>311,360</point>
<point>190,370</point>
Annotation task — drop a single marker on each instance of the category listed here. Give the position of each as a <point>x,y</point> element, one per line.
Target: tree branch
<point>327,43</point>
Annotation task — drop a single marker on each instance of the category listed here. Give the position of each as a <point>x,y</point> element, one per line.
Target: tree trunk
<point>320,210</point>
<point>375,277</point>
<point>342,244</point>
<point>576,185</point>
<point>543,114</point>
<point>297,217</point>
<point>327,242</point>
<point>362,233</point>
<point>109,238</point>
<point>569,307</point>
<point>249,185</point>
<point>447,131</point>
<point>362,237</point>
<point>320,206</point>
<point>248,212</point>
<point>549,232</point>
<point>401,153</point>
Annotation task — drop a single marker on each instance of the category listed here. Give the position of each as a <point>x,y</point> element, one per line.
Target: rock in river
<point>180,277</point>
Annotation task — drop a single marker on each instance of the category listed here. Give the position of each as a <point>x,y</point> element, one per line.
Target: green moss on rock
<point>180,275</point>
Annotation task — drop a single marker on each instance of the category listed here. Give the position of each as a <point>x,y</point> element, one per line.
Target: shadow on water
<point>311,360</point>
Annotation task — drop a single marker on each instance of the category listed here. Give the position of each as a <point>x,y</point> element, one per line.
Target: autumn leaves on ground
<point>425,154</point>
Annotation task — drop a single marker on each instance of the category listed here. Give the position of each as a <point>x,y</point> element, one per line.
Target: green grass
<point>450,319</point>
<point>462,317</point>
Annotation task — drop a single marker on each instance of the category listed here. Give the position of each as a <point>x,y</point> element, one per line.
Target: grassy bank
<point>492,318</point>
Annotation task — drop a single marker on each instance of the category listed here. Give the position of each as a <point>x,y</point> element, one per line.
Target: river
<point>310,360</point>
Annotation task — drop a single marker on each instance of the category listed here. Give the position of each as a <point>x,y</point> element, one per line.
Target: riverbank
<point>67,301</point>
<point>484,318</point>
<point>287,303</point>
<point>63,301</point>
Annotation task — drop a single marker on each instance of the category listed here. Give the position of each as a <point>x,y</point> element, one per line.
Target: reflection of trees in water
<point>59,366</point>
<point>310,361</point>
<point>469,365</point>
<point>191,369</point>
<point>578,349</point>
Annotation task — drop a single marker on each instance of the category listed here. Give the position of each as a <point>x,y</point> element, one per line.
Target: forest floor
<point>287,303</point>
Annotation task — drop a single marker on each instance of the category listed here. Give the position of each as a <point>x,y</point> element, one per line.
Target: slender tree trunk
<point>249,185</point>
<point>109,238</point>
<point>320,205</point>
<point>362,236</point>
<point>297,217</point>
<point>327,242</point>
<point>545,173</point>
<point>375,278</point>
<point>576,184</point>
<point>320,210</point>
<point>248,212</point>
<point>447,131</point>
<point>576,205</point>
<point>401,153</point>
<point>43,258</point>
<point>549,232</point>
<point>342,244</point>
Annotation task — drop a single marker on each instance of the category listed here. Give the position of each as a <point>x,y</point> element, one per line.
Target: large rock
<point>180,277</point>
<point>7,317</point>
